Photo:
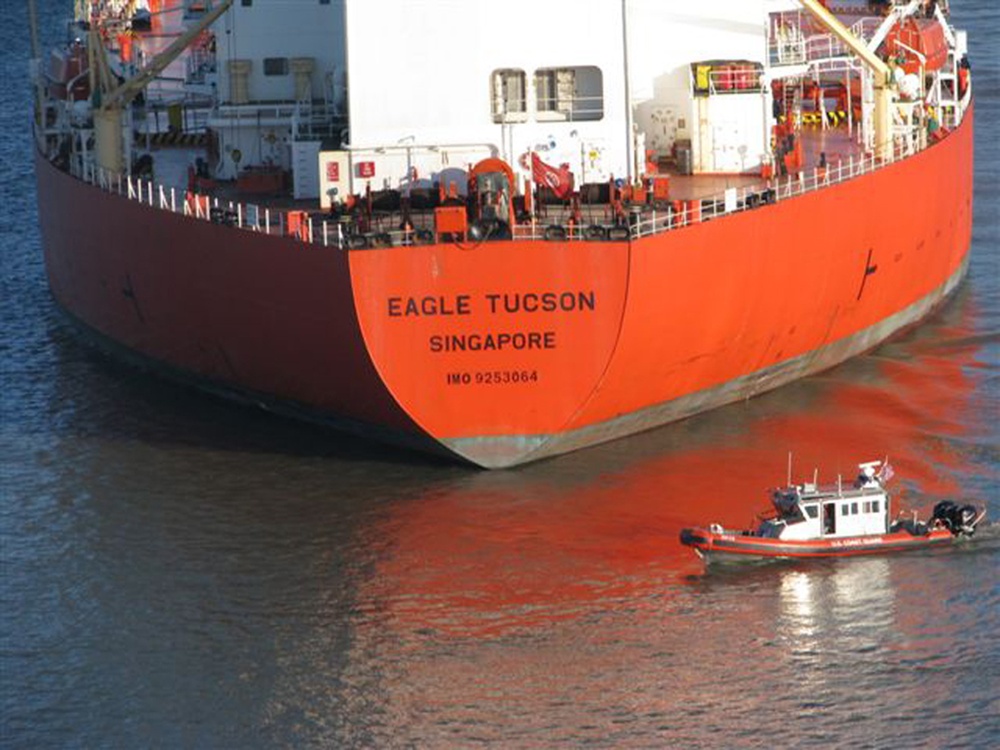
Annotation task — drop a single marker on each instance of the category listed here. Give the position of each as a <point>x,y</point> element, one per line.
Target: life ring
<point>596,232</point>
<point>358,241</point>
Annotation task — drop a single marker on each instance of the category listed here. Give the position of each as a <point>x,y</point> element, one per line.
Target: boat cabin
<point>808,511</point>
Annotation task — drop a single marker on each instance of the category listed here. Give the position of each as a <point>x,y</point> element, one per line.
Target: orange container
<point>450,220</point>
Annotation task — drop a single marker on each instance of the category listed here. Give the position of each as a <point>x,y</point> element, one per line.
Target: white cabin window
<point>874,506</point>
<point>276,66</point>
<point>811,511</point>
<point>508,95</point>
<point>569,93</point>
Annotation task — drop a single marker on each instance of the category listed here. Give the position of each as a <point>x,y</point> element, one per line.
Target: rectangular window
<point>569,93</point>
<point>811,511</point>
<point>246,3</point>
<point>508,96</point>
<point>874,506</point>
<point>844,509</point>
<point>276,66</point>
<point>854,509</point>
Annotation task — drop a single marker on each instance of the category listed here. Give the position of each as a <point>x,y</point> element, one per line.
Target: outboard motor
<point>958,519</point>
<point>966,523</point>
<point>943,512</point>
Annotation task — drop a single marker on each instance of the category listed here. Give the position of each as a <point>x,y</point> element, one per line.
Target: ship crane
<point>113,101</point>
<point>885,92</point>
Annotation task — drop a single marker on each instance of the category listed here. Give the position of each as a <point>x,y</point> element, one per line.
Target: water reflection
<point>485,554</point>
<point>844,608</point>
<point>551,593</point>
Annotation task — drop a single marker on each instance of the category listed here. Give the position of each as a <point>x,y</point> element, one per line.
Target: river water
<point>179,572</point>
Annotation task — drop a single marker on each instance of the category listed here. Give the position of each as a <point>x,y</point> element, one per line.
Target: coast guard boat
<point>810,520</point>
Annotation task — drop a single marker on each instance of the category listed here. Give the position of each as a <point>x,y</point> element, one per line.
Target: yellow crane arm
<point>844,34</point>
<point>127,91</point>
<point>884,93</point>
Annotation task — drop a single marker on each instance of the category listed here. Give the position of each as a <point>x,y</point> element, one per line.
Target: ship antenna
<point>789,482</point>
<point>629,135</point>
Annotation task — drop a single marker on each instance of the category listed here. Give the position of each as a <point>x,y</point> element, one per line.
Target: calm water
<point>179,572</point>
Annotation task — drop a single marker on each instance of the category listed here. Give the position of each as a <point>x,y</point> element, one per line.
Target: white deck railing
<point>642,221</point>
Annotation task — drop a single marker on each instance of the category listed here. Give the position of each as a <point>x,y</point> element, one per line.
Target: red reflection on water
<point>599,530</point>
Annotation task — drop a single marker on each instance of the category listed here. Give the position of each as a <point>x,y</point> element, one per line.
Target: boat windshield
<point>793,515</point>
<point>787,505</point>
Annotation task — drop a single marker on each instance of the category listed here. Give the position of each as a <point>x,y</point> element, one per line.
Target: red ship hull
<point>511,351</point>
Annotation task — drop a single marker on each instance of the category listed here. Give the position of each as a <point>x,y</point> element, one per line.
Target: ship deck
<point>839,146</point>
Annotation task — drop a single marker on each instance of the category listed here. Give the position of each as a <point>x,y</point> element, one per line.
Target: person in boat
<point>865,476</point>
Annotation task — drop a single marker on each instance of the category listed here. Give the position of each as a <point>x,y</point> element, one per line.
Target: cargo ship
<point>501,236</point>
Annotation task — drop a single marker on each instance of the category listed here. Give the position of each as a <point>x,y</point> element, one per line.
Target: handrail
<point>643,221</point>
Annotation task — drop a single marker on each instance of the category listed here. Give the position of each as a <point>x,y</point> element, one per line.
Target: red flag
<point>560,181</point>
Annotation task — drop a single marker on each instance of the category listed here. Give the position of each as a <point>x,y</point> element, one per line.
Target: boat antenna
<point>789,482</point>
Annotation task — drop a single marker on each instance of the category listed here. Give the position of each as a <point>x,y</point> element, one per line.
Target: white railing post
<point>324,233</point>
<point>267,220</point>
<point>173,201</point>
<point>239,215</point>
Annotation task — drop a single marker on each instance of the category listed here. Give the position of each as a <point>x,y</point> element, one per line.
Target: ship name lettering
<point>482,342</point>
<point>400,307</point>
<point>531,302</point>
